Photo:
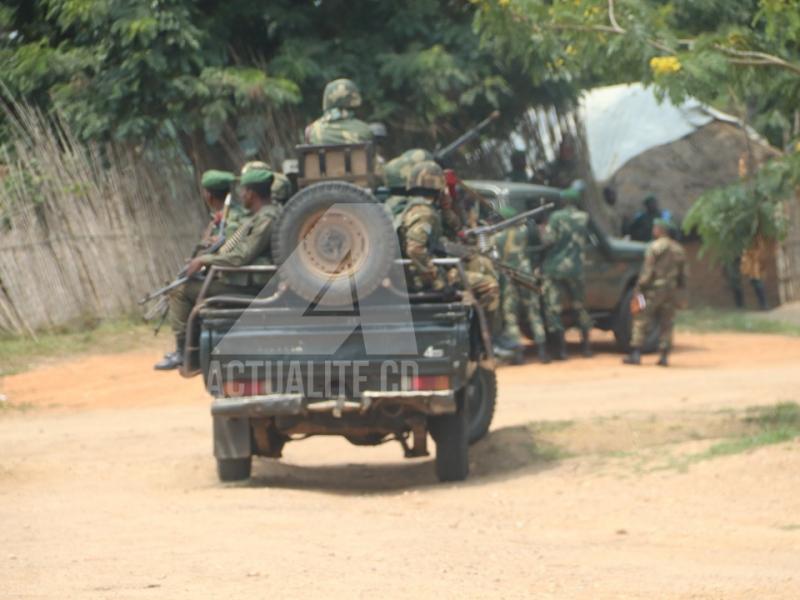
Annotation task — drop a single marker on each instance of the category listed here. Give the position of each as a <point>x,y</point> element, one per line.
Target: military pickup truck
<point>612,264</point>
<point>335,344</point>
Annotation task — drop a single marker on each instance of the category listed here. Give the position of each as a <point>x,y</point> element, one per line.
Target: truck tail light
<point>430,382</point>
<point>245,387</point>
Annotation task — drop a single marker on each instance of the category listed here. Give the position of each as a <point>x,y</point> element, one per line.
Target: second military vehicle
<point>612,264</point>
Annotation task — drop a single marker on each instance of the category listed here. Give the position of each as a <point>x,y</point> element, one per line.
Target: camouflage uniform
<point>420,227</point>
<point>512,245</point>
<point>397,170</point>
<point>566,235</point>
<point>281,186</point>
<point>338,124</point>
<point>249,245</point>
<point>661,278</point>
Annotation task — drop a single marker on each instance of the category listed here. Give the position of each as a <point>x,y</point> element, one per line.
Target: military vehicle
<point>612,264</point>
<point>335,344</point>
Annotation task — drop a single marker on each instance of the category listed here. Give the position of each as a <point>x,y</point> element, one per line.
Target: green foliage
<point>728,219</point>
<point>714,319</point>
<point>178,70</point>
<point>742,56</point>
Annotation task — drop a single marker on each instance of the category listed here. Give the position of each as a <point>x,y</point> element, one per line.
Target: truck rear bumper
<point>272,405</point>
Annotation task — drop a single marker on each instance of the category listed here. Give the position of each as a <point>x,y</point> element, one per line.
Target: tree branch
<point>757,58</point>
<point>612,17</point>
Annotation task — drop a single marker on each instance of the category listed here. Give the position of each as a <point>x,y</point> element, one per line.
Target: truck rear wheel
<point>452,447</point>
<point>234,469</point>
<point>481,397</point>
<point>333,240</point>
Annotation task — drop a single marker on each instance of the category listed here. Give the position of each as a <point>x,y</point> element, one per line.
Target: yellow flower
<point>503,3</point>
<point>664,65</point>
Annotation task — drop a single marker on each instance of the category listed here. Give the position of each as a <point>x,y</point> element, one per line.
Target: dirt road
<point>108,490</point>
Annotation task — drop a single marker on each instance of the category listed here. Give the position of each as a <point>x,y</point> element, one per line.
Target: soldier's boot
<point>172,360</point>
<point>561,346</point>
<point>663,360</point>
<point>544,357</point>
<point>634,358</point>
<point>586,344</point>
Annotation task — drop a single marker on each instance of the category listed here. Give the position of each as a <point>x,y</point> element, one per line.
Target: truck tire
<point>481,395</point>
<point>333,240</point>
<point>234,469</point>
<point>623,327</point>
<point>452,446</point>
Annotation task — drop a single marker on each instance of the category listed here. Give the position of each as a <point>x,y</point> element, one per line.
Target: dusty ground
<point>108,490</point>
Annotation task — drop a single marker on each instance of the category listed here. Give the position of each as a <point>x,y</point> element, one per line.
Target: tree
<point>221,74</point>
<point>740,55</point>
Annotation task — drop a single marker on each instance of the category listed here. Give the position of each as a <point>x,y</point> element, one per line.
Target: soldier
<point>512,245</point>
<point>216,186</point>
<point>663,276</point>
<point>420,228</point>
<point>566,236</point>
<point>338,124</point>
<point>395,176</point>
<point>281,186</point>
<point>250,244</point>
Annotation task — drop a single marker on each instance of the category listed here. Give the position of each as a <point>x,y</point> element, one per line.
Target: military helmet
<point>255,164</point>
<point>341,93</point>
<point>397,170</point>
<point>426,175</point>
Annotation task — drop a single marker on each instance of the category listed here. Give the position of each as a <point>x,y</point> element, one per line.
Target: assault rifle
<point>182,278</point>
<point>482,232</point>
<point>485,248</point>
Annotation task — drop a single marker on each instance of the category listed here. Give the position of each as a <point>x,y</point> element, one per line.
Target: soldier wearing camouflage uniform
<point>420,227</point>
<point>395,177</point>
<point>249,244</point>
<point>281,186</point>
<point>662,278</point>
<point>566,236</point>
<point>338,124</point>
<point>512,245</point>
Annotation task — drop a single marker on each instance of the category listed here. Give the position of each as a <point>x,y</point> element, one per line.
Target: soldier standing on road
<point>566,236</point>
<point>663,276</point>
<point>338,124</point>
<point>512,245</point>
<point>249,244</point>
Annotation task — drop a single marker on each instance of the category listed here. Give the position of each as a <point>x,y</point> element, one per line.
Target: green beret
<point>217,181</point>
<point>256,176</point>
<point>507,212</point>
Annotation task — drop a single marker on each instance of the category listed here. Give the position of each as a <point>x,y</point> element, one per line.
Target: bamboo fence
<point>85,231</point>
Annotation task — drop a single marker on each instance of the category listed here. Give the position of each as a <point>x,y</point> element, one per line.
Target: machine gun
<point>161,308</point>
<point>443,155</point>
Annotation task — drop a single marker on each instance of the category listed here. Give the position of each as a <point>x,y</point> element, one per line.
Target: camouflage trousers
<point>659,312</point>
<point>517,301</point>
<point>182,299</point>
<point>553,292</point>
<point>482,281</point>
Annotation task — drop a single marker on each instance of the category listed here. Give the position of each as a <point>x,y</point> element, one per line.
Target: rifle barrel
<point>502,225</point>
<point>442,154</point>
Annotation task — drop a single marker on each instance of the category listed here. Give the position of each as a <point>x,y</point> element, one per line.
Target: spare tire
<point>333,240</point>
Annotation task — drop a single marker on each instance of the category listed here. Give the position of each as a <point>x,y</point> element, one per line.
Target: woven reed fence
<point>85,231</point>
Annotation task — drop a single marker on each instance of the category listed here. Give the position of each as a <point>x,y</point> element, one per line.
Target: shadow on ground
<point>504,453</point>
